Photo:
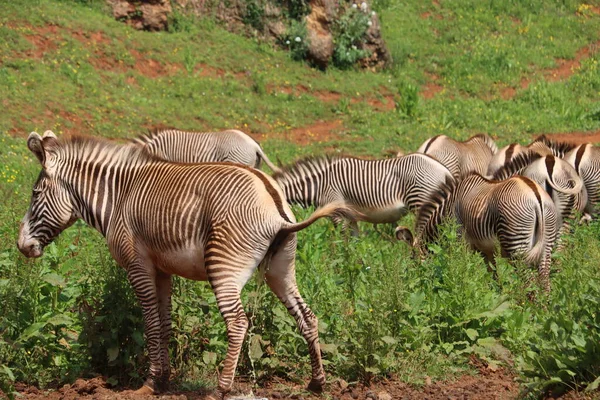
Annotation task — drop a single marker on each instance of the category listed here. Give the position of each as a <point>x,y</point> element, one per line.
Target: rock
<point>384,396</point>
<point>379,55</point>
<point>428,381</point>
<point>371,395</point>
<point>354,394</point>
<point>342,384</point>
<point>151,15</point>
<point>318,26</point>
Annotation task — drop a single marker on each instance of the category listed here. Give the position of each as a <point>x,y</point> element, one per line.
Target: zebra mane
<point>516,165</point>
<point>487,140</point>
<point>559,149</point>
<point>435,211</point>
<point>91,148</point>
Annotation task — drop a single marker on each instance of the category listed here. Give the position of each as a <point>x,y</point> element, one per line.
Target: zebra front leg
<point>143,281</point>
<point>281,278</point>
<point>164,291</point>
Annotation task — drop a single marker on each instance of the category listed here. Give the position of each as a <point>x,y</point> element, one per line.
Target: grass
<point>67,66</point>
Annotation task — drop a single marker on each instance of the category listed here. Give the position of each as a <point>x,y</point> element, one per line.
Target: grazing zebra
<point>381,190</point>
<point>194,147</point>
<point>506,154</point>
<point>517,212</point>
<point>556,176</point>
<point>461,158</point>
<point>585,158</point>
<point>210,221</point>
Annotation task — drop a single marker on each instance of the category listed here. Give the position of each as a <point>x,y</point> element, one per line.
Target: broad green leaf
<point>255,351</point>
<point>329,348</point>
<point>112,353</point>
<point>389,340</point>
<point>60,319</point>
<point>472,334</point>
<point>31,331</point>
<point>594,385</point>
<point>209,358</point>
<point>54,279</point>
<point>8,372</point>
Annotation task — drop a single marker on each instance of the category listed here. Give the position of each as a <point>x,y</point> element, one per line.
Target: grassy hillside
<point>510,69</point>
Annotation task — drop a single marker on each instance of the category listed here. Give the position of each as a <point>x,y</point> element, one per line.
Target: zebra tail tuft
<point>335,210</point>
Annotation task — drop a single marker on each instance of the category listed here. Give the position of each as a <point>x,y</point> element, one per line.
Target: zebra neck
<point>301,189</point>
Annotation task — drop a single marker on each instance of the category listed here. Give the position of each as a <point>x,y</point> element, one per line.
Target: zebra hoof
<point>316,385</point>
<point>144,391</point>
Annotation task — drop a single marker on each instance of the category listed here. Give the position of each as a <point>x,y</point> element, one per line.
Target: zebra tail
<point>264,157</point>
<point>577,186</point>
<point>539,239</point>
<point>337,209</point>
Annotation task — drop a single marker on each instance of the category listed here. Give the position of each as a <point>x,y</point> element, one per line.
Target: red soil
<point>576,137</point>
<point>320,131</point>
<point>430,89</point>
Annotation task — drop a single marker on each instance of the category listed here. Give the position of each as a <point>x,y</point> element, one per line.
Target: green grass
<point>72,313</point>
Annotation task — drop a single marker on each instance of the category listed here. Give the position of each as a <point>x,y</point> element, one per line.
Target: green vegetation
<point>67,66</point>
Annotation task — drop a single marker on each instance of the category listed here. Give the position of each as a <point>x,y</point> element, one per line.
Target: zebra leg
<point>164,290</point>
<point>281,278</point>
<point>143,282</point>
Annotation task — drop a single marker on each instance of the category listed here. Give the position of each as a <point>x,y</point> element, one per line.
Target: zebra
<point>506,154</point>
<point>209,221</point>
<point>193,147</point>
<point>585,158</point>
<point>382,191</point>
<point>517,212</point>
<point>558,178</point>
<point>461,158</point>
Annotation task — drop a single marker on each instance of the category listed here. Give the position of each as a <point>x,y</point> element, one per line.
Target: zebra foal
<point>382,191</point>
<point>212,221</point>
<point>194,147</point>
<point>517,212</point>
<point>461,158</point>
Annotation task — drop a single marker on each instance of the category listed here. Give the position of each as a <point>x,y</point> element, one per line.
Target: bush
<point>348,33</point>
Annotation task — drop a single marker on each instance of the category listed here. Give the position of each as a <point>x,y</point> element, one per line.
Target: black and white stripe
<point>461,158</point>
<point>193,147</point>
<point>382,190</point>
<point>209,221</point>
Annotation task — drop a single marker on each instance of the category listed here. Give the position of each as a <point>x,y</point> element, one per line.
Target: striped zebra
<point>382,191</point>
<point>556,176</point>
<point>585,158</point>
<point>461,158</point>
<point>517,212</point>
<point>194,147</point>
<point>210,221</point>
<point>507,154</point>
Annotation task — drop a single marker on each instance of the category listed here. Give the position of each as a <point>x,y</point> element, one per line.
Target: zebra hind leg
<point>144,285</point>
<point>164,290</point>
<point>281,278</point>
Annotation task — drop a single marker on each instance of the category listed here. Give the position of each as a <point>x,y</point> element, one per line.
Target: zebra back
<point>516,165</point>
<point>486,139</point>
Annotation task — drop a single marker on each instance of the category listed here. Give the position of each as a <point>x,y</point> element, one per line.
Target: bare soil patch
<point>152,68</point>
<point>575,137</point>
<point>487,384</point>
<point>42,41</point>
<point>93,38</point>
<point>431,88</point>
<point>320,131</point>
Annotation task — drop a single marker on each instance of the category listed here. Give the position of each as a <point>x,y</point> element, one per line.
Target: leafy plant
<point>348,37</point>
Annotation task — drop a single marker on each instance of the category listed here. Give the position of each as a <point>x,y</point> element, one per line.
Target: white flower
<point>287,42</point>
<point>363,6</point>
<point>369,23</point>
<point>373,13</point>
<point>298,39</point>
<point>353,47</point>
<point>354,6</point>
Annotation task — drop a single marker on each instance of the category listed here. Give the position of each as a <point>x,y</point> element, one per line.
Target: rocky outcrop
<point>379,55</point>
<point>318,27</point>
<point>150,15</point>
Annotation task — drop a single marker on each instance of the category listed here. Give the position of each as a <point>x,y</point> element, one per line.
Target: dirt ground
<point>498,384</point>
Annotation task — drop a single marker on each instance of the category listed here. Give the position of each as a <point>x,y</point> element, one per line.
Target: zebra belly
<point>384,215</point>
<point>187,263</point>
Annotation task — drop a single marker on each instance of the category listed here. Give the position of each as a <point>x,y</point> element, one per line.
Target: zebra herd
<point>195,205</point>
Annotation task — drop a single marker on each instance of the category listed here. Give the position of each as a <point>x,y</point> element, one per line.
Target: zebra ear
<point>34,143</point>
<point>49,139</point>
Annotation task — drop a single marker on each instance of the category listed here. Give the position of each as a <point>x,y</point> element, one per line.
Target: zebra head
<point>51,210</point>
